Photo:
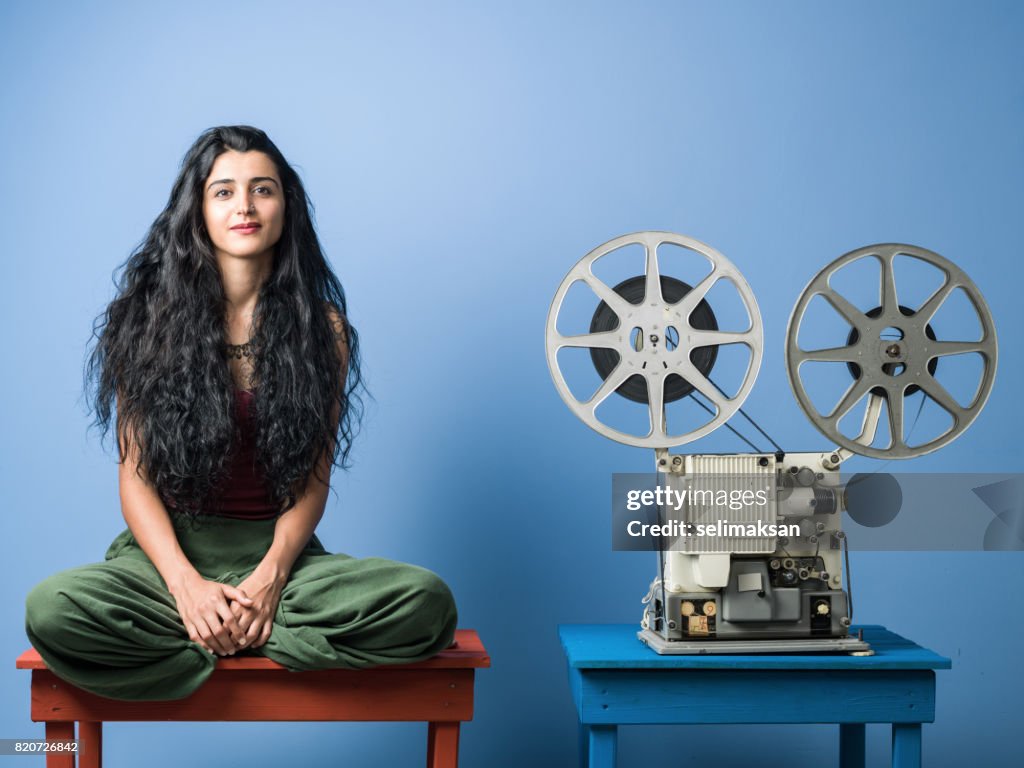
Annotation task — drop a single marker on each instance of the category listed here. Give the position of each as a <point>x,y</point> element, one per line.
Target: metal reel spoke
<point>894,365</point>
<point>702,384</point>
<point>869,426</point>
<point>689,302</point>
<point>654,358</point>
<point>602,340</point>
<point>615,379</point>
<point>718,338</point>
<point>850,398</point>
<point>653,284</point>
<point>896,400</point>
<point>937,299</point>
<point>830,355</point>
<point>656,405</point>
<point>943,348</point>
<point>889,301</point>
<point>605,293</point>
<point>946,401</point>
<point>850,313</point>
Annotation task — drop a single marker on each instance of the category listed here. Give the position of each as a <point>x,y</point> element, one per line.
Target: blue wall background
<point>462,157</point>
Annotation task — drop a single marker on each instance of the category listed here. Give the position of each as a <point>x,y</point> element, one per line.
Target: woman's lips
<point>246,229</point>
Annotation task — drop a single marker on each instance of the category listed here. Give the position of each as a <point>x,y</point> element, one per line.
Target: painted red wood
<point>236,695</point>
<point>438,691</point>
<point>442,745</point>
<point>57,731</point>
<point>90,744</point>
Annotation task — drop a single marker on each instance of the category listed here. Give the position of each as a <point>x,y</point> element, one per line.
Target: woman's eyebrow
<point>253,180</point>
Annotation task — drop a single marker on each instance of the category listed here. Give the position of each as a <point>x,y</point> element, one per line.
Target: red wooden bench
<point>438,691</point>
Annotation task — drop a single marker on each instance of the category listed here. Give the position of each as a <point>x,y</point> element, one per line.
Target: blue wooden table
<point>617,680</point>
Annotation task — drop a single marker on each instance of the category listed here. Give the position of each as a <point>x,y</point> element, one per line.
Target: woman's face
<point>243,205</point>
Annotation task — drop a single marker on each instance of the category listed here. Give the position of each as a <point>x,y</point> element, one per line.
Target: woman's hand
<point>257,617</point>
<point>207,615</point>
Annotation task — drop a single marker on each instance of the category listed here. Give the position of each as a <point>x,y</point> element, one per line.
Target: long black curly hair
<point>158,369</point>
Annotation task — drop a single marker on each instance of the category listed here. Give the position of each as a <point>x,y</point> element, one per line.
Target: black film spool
<point>672,291</point>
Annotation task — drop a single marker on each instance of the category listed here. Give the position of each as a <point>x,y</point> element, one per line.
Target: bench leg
<point>906,745</point>
<point>90,745</point>
<point>60,732</point>
<point>851,745</point>
<point>442,745</point>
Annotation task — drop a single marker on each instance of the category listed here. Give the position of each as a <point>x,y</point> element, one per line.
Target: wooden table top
<point>611,646</point>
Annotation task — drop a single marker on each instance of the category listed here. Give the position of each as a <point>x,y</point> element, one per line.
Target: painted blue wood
<point>584,746</point>
<point>616,645</point>
<point>906,745</point>
<point>851,745</point>
<point>615,679</point>
<point>755,696</point>
<point>604,740</point>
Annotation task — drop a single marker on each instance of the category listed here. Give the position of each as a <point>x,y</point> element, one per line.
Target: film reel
<point>666,305</point>
<point>886,371</point>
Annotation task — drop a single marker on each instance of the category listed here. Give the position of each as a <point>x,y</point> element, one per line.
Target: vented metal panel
<point>724,491</point>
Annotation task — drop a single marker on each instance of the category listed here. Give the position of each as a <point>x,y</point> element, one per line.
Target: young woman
<point>231,375</point>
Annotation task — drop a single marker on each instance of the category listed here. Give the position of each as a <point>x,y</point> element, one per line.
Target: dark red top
<point>244,493</point>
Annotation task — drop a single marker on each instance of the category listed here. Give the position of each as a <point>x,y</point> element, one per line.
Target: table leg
<point>584,746</point>
<point>60,732</point>
<point>851,745</point>
<point>602,742</point>
<point>442,745</point>
<point>90,745</point>
<point>906,745</point>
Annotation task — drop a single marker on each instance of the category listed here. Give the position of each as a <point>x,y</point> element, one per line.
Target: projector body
<point>757,571</point>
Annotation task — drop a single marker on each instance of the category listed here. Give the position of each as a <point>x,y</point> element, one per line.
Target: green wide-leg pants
<point>113,628</point>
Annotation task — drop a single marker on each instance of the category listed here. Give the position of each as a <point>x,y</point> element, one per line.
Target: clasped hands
<point>225,619</point>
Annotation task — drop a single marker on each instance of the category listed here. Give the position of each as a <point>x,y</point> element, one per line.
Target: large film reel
<point>665,305</point>
<point>886,371</point>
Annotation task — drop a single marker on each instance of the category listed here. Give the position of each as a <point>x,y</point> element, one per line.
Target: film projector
<point>675,338</point>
